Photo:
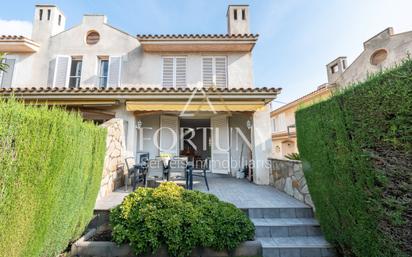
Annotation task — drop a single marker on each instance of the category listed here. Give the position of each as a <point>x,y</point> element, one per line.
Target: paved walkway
<point>244,194</point>
<point>240,192</point>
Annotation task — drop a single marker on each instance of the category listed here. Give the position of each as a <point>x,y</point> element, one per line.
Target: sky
<point>297,37</point>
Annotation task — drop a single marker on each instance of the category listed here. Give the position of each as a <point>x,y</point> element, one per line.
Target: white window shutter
<point>115,69</point>
<point>207,71</point>
<point>180,74</point>
<point>61,71</point>
<point>7,77</point>
<point>168,72</point>
<point>169,135</point>
<point>220,71</point>
<point>220,144</point>
<point>52,69</point>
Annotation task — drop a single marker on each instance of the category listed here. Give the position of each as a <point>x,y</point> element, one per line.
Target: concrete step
<point>315,246</point>
<point>300,212</point>
<point>286,227</point>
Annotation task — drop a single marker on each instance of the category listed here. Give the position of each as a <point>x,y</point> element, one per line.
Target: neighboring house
<point>382,51</point>
<point>283,121</point>
<point>175,83</point>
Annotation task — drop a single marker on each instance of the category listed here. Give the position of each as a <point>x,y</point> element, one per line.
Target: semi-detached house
<point>179,83</point>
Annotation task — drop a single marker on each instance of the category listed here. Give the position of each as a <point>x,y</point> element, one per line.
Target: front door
<point>220,145</point>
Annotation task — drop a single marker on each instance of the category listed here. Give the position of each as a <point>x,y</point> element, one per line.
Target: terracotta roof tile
<point>12,37</point>
<point>139,90</point>
<point>197,36</point>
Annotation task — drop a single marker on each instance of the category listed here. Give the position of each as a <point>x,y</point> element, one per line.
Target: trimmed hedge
<point>179,219</point>
<point>356,150</point>
<point>51,165</point>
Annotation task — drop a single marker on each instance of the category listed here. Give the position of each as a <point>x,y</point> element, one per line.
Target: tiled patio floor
<point>240,192</point>
<point>244,194</point>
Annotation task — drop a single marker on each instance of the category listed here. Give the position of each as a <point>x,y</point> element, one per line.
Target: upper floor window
<point>174,71</point>
<point>48,14</point>
<point>279,123</point>
<point>41,14</point>
<point>75,72</point>
<point>103,72</point>
<point>334,69</point>
<point>214,71</point>
<point>6,76</point>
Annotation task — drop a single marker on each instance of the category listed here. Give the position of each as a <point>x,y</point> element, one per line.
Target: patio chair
<point>177,170</point>
<point>155,170</point>
<point>204,172</point>
<point>135,172</point>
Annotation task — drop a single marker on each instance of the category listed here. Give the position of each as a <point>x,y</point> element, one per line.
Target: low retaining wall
<point>287,176</point>
<point>113,170</point>
<point>85,248</point>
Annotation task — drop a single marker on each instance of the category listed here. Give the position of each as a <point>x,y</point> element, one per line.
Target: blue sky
<point>297,37</point>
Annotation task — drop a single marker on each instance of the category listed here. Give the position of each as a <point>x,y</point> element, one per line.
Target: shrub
<point>356,153</point>
<point>179,219</point>
<point>51,164</point>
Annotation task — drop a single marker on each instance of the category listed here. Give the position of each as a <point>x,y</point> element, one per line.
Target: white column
<point>262,145</point>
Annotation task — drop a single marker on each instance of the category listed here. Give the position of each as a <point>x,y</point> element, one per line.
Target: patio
<point>240,192</point>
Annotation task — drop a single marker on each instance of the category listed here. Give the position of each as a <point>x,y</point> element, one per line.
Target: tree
<point>3,65</point>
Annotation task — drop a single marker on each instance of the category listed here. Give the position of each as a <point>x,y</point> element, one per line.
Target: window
<point>235,14</point>
<point>60,19</point>
<point>6,77</point>
<point>92,37</point>
<point>41,14</point>
<point>243,14</point>
<point>174,71</point>
<point>279,123</point>
<point>379,56</point>
<point>214,71</point>
<point>103,72</point>
<point>75,73</point>
<point>344,64</point>
<point>48,14</point>
<point>334,68</point>
<point>274,125</point>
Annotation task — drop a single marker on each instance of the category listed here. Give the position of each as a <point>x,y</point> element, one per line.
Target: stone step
<point>298,212</point>
<point>286,227</point>
<point>315,246</point>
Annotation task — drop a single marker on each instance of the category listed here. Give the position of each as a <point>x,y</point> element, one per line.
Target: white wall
<point>139,69</point>
<point>262,145</point>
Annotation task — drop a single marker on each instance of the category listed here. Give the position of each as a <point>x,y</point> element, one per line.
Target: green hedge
<point>356,152</point>
<point>51,165</point>
<point>179,219</point>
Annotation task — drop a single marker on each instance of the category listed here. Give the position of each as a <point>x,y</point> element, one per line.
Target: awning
<point>233,106</point>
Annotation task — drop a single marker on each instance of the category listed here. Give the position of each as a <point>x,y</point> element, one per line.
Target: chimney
<point>48,21</point>
<point>335,68</point>
<point>238,19</point>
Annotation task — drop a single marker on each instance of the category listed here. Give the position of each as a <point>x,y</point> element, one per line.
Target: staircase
<point>289,232</point>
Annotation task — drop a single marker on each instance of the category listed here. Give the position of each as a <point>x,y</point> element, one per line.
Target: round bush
<point>179,219</point>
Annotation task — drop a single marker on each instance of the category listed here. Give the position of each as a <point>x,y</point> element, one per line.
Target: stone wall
<point>113,170</point>
<point>287,176</point>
